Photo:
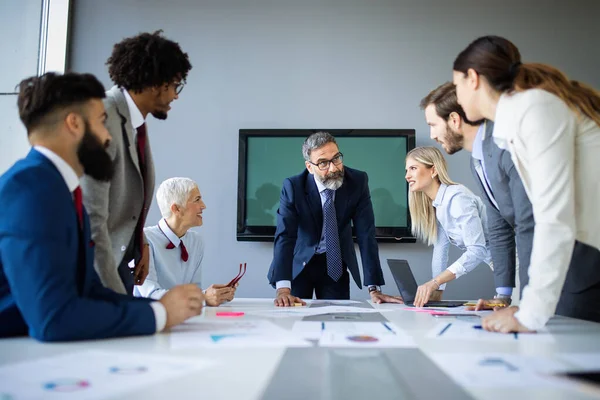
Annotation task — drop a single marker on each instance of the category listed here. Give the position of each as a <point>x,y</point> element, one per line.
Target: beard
<point>332,180</point>
<point>159,115</point>
<point>453,141</point>
<point>93,156</point>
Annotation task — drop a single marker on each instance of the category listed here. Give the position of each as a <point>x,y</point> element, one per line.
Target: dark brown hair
<point>147,60</point>
<point>444,99</point>
<point>41,97</point>
<point>499,61</point>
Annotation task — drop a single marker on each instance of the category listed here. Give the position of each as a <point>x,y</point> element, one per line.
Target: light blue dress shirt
<point>461,221</point>
<point>167,269</point>
<point>477,155</point>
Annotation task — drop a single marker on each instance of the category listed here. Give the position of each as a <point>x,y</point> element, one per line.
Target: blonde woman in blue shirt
<point>444,212</point>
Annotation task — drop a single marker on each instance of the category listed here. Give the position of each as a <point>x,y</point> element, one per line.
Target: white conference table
<point>246,373</point>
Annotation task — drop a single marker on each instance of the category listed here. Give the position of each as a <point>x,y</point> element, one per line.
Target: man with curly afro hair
<point>149,72</point>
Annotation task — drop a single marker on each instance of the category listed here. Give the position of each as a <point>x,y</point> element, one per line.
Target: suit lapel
<point>341,199</point>
<point>126,127</point>
<point>314,201</point>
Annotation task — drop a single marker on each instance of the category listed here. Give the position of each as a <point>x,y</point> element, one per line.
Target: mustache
<point>334,175</point>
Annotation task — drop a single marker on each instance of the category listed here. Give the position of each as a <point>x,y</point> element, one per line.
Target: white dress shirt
<point>167,269</point>
<point>72,181</point>
<point>137,119</point>
<point>557,155</point>
<point>321,247</point>
<point>479,162</point>
<point>462,221</point>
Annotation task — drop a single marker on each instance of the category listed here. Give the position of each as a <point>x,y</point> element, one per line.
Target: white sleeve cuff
<point>531,320</point>
<point>160,315</point>
<point>457,269</point>
<point>283,284</point>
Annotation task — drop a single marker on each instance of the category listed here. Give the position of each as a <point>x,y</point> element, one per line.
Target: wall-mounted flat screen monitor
<point>268,156</point>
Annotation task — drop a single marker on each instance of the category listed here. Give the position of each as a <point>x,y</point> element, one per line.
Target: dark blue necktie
<point>332,238</point>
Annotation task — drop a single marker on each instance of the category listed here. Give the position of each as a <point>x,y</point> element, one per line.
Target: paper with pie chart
<point>91,375</point>
<point>236,334</point>
<point>354,334</point>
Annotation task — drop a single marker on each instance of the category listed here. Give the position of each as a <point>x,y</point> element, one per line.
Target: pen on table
<point>445,329</point>
<point>388,327</point>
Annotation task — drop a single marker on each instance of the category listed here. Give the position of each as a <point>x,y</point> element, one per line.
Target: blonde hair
<point>422,212</point>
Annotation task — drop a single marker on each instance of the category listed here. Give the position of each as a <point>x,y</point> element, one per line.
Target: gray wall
<point>315,63</point>
<point>19,30</point>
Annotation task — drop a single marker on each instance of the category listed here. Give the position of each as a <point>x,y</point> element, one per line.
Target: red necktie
<point>78,199</point>
<point>141,145</point>
<point>141,148</point>
<point>184,253</point>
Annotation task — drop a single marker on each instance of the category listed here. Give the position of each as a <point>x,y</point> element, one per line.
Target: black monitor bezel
<point>267,233</point>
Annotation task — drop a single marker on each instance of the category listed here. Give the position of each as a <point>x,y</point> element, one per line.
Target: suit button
<point>133,217</point>
<point>303,264</point>
<point>123,248</point>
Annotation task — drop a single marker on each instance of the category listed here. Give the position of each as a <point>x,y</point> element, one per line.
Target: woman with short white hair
<point>176,252</point>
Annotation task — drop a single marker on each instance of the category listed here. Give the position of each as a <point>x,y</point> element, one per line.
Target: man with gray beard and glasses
<point>313,249</point>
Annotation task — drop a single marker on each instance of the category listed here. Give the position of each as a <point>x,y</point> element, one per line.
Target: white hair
<point>174,191</point>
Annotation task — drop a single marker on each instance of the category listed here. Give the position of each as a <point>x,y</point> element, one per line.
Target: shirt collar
<point>164,227</point>
<point>502,122</point>
<point>440,195</point>
<point>477,152</point>
<point>137,119</point>
<point>68,173</point>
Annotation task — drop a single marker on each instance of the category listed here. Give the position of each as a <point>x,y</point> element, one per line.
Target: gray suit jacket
<point>513,217</point>
<point>114,207</point>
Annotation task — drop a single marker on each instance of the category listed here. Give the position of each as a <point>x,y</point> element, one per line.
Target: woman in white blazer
<point>551,126</point>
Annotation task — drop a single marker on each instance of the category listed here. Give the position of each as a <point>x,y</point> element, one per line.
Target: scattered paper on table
<point>285,312</point>
<point>237,333</point>
<point>499,370</point>
<point>91,374</point>
<point>353,334</point>
<point>465,331</point>
<point>581,361</point>
<point>334,302</point>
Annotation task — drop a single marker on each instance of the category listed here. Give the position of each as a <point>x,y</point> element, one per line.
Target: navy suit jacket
<point>300,225</point>
<point>48,285</point>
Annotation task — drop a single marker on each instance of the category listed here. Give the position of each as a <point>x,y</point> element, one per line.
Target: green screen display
<point>270,159</point>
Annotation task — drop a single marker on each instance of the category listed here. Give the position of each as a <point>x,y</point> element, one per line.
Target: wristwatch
<point>504,297</point>
<point>374,288</point>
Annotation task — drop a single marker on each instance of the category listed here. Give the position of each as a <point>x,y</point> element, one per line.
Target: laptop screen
<point>404,278</point>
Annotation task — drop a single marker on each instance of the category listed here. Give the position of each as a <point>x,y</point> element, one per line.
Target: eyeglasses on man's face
<point>323,165</point>
<point>178,86</point>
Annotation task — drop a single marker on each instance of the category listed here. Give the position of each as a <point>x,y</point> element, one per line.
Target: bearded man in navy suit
<point>49,288</point>
<point>313,249</point>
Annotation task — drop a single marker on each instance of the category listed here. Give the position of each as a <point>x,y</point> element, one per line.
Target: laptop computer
<point>405,280</point>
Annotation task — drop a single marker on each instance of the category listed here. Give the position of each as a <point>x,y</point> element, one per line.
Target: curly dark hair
<point>147,60</point>
<point>41,97</point>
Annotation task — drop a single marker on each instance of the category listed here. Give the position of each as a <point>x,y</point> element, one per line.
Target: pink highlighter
<point>229,313</point>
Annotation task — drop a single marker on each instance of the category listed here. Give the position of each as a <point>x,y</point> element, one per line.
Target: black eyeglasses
<point>324,165</point>
<point>178,86</point>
